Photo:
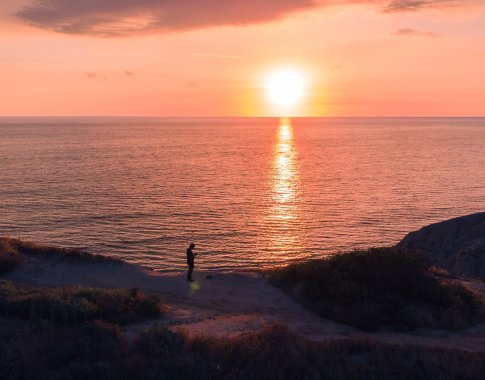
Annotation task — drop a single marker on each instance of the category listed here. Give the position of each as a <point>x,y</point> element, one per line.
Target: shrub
<point>9,256</point>
<point>87,351</point>
<point>97,350</point>
<point>277,353</point>
<point>379,287</point>
<point>74,305</point>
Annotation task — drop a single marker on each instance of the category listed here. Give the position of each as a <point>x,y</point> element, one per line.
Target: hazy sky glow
<point>213,57</point>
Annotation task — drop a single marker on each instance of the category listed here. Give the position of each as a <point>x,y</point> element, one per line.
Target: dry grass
<point>97,350</point>
<point>439,272</point>
<point>12,251</point>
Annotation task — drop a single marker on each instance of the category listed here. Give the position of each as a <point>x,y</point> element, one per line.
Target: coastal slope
<point>457,245</point>
<point>216,304</point>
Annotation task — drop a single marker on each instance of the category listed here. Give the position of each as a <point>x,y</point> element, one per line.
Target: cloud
<point>111,18</point>
<point>408,32</point>
<point>128,73</point>
<point>217,56</point>
<point>416,5</point>
<point>91,75</point>
<point>116,18</point>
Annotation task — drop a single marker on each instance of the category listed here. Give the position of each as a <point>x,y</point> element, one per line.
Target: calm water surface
<point>249,192</point>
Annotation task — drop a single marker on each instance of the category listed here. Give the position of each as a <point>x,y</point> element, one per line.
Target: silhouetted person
<point>190,261</point>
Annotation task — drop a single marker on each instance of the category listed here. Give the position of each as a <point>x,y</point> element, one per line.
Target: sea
<point>251,193</point>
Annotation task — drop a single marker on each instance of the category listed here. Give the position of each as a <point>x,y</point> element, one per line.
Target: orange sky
<point>174,58</point>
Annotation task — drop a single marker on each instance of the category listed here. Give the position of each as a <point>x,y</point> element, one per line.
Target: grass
<point>77,305</point>
<point>379,287</point>
<point>47,351</point>
<point>276,353</point>
<point>12,251</point>
<point>99,351</point>
<point>68,305</point>
<point>74,333</point>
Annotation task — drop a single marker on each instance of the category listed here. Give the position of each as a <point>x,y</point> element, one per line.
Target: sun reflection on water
<point>285,173</point>
<point>284,213</point>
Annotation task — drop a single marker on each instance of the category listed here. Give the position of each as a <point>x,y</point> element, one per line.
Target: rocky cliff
<point>457,245</point>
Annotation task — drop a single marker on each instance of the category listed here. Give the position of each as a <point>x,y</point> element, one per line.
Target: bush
<point>379,287</point>
<point>98,351</point>
<point>88,351</point>
<point>9,256</point>
<point>277,353</point>
<point>74,305</point>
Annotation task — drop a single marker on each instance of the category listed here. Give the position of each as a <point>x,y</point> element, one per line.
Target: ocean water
<point>250,192</point>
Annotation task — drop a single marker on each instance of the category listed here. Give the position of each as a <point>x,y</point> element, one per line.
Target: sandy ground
<point>227,304</point>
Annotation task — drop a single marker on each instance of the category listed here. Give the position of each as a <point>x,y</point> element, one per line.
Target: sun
<point>285,87</point>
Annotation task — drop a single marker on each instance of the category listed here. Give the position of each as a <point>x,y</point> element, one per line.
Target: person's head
<point>192,246</point>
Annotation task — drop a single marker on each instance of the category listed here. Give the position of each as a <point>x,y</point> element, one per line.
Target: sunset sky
<point>213,57</point>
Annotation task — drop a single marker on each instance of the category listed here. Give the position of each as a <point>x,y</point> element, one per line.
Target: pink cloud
<point>408,32</point>
<point>111,18</point>
<point>115,18</point>
<point>91,75</point>
<point>416,5</point>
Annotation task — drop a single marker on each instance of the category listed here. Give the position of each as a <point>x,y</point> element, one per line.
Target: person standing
<point>190,261</point>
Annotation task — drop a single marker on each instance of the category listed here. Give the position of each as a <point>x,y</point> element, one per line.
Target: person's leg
<point>189,273</point>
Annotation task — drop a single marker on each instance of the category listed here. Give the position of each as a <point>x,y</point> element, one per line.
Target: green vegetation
<point>47,351</point>
<point>98,351</point>
<point>75,305</point>
<point>75,333</point>
<point>379,287</point>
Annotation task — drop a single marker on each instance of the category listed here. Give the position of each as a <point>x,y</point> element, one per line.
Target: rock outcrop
<point>457,245</point>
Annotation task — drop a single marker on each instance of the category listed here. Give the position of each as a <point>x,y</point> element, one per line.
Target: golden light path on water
<point>284,212</point>
<point>252,193</point>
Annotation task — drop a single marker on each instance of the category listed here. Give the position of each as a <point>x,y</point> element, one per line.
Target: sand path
<point>227,304</point>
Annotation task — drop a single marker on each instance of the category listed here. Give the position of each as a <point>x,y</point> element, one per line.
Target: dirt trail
<point>227,304</point>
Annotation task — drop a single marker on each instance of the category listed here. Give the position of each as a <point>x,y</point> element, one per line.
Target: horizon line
<point>242,117</point>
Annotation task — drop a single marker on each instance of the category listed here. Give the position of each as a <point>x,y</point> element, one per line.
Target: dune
<point>224,305</point>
